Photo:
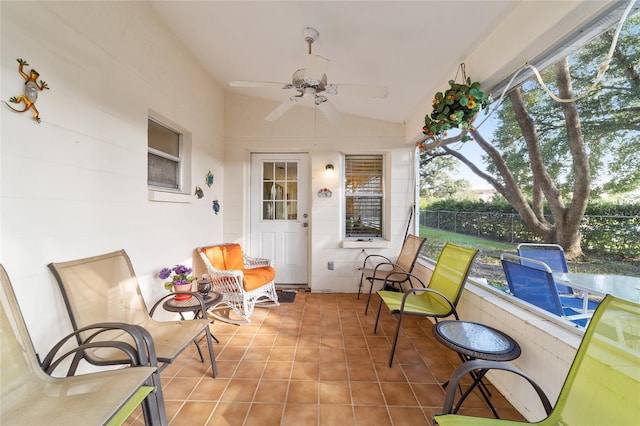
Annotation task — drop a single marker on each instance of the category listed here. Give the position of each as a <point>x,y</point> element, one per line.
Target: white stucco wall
<point>304,129</point>
<point>75,185</point>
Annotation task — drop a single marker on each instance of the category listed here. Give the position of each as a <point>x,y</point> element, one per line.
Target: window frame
<point>182,191</point>
<point>382,196</point>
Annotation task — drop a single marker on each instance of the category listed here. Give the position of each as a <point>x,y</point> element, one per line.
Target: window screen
<point>164,157</point>
<point>364,183</point>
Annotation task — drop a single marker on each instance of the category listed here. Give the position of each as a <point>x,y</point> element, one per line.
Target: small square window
<point>165,157</point>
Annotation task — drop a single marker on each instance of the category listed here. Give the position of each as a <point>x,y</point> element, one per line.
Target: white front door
<point>279,213</point>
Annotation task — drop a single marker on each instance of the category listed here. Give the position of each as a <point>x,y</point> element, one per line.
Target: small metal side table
<point>471,340</point>
<point>193,305</point>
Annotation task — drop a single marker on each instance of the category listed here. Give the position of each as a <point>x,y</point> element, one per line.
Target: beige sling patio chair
<point>104,288</point>
<point>385,270</point>
<point>30,396</point>
<point>242,280</point>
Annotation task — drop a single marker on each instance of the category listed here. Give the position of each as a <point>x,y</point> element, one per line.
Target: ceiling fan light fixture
<point>308,92</point>
<point>320,99</point>
<point>311,84</point>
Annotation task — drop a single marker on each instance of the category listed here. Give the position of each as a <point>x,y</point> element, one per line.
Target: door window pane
<point>280,190</point>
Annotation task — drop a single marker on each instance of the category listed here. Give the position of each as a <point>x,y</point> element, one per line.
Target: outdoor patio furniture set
<point>113,327</point>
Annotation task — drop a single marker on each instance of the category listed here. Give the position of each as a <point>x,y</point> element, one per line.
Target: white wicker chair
<point>242,284</point>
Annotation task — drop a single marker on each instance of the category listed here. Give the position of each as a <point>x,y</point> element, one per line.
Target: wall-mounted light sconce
<point>328,170</point>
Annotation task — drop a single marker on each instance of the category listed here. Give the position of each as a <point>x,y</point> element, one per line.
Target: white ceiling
<point>411,47</point>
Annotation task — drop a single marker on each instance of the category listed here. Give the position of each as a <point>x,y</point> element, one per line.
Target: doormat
<point>286,296</point>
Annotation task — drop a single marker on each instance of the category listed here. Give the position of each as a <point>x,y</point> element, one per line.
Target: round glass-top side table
<point>471,340</point>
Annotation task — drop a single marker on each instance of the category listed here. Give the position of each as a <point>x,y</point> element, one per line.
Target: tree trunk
<point>568,230</point>
<point>565,229</point>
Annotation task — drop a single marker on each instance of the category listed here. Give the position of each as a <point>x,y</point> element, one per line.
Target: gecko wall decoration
<point>31,89</point>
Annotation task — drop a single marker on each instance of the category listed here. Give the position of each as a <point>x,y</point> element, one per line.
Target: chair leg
<point>360,285</point>
<point>375,327</point>
<point>195,342</point>
<point>214,367</point>
<point>366,309</point>
<point>395,339</point>
<point>153,408</point>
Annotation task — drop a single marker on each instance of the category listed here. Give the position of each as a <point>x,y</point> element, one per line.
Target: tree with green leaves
<point>547,158</point>
<point>435,182</point>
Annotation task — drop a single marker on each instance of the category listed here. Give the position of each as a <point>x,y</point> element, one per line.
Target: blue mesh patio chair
<point>535,285</point>
<point>553,256</point>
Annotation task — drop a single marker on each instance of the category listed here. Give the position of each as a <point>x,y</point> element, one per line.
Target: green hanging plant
<point>457,107</point>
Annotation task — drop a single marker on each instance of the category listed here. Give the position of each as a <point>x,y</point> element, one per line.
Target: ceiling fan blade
<point>258,84</point>
<point>281,110</point>
<point>329,111</point>
<point>358,90</point>
<point>315,69</point>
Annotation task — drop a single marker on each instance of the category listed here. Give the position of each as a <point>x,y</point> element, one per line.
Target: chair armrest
<point>415,290</point>
<point>393,265</point>
<point>409,276</point>
<point>580,316</point>
<point>141,353</point>
<point>255,262</point>
<point>393,271</point>
<point>364,263</point>
<point>469,366</point>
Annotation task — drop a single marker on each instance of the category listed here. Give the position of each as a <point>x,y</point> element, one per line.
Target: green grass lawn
<point>487,264</point>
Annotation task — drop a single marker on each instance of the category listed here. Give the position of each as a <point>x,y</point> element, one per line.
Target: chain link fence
<point>610,235</point>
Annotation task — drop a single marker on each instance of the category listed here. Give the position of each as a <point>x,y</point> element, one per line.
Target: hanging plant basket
<point>457,107</point>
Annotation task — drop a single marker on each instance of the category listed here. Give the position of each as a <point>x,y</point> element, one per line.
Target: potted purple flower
<point>179,282</point>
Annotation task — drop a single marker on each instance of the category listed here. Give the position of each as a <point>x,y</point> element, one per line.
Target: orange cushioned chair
<point>243,281</point>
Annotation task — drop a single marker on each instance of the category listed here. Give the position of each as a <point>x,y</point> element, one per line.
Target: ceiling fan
<point>311,84</point>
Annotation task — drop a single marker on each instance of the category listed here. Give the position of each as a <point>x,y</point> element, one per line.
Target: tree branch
<point>485,176</point>
<point>510,189</point>
<point>438,144</point>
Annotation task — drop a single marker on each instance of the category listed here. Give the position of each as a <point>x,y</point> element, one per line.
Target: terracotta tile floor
<point>316,361</point>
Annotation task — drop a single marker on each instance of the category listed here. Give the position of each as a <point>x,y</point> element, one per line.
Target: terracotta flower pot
<point>179,288</point>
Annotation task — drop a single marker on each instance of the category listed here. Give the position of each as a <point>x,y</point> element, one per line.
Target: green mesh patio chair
<point>382,269</point>
<point>602,385</point>
<point>439,298</point>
